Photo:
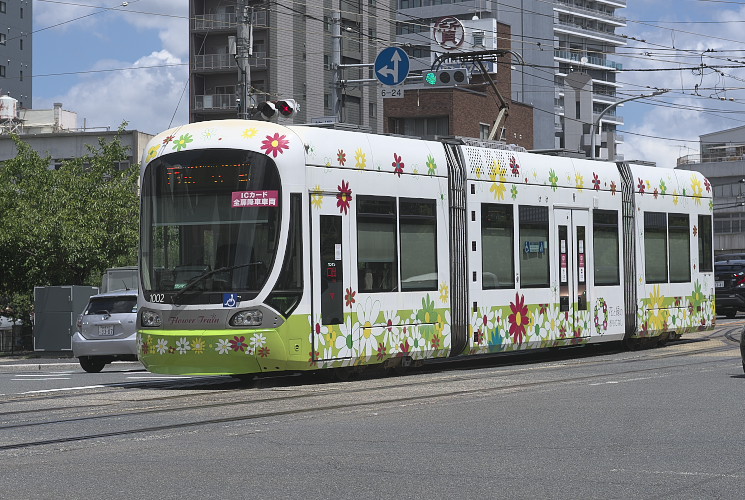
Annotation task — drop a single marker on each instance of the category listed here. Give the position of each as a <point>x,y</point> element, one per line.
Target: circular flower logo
<point>274,144</point>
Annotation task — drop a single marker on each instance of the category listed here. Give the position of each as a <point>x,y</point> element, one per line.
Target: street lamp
<point>597,126</point>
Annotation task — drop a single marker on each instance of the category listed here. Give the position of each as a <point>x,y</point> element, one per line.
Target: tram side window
<point>655,247</point>
<point>376,244</point>
<point>605,245</point>
<point>418,233</point>
<point>679,234</point>
<point>705,259</point>
<point>497,247</point>
<point>534,259</point>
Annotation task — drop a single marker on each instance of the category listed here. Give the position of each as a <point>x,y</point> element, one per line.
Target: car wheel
<point>91,364</point>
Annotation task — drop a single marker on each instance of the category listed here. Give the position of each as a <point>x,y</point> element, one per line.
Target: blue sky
<point>155,33</point>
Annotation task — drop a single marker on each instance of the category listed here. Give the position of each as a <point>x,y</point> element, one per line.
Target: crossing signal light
<point>286,108</point>
<point>267,110</point>
<point>447,77</point>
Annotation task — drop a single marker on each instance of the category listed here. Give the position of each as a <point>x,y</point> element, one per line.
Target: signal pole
<point>244,50</point>
<point>335,63</point>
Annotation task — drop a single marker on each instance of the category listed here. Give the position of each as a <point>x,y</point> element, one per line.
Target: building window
<point>2,7</point>
<point>534,260</point>
<point>326,101</point>
<point>497,247</point>
<point>705,260</point>
<point>484,131</point>
<point>418,234</point>
<point>3,37</point>
<point>21,75</point>
<point>2,71</point>
<point>605,245</point>
<point>21,12</point>
<point>377,266</point>
<point>679,236</point>
<point>373,110</point>
<point>655,247</point>
<point>20,42</point>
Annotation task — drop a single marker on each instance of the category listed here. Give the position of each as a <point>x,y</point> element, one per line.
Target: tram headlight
<point>250,317</point>
<point>150,318</point>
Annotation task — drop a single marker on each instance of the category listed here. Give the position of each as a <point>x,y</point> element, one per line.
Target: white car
<point>107,330</point>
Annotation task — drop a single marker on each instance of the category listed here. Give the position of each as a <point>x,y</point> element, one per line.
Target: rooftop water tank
<point>8,108</point>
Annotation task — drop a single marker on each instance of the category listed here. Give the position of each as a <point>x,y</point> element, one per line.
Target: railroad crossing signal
<point>286,108</point>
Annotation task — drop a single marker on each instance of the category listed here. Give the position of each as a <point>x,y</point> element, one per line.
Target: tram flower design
<point>360,159</point>
<point>398,165</point>
<point>343,197</point>
<point>275,144</point>
<point>518,319</point>
<point>431,165</point>
<point>152,153</point>
<point>249,133</point>
<point>341,157</point>
<point>182,142</point>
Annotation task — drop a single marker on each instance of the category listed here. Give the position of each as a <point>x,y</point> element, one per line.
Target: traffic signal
<point>286,108</point>
<point>447,77</point>
<point>267,110</point>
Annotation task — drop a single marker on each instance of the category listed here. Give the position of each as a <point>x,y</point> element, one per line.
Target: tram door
<point>574,249</point>
<point>331,268</point>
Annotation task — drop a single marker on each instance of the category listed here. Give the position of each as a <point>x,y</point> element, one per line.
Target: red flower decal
<point>436,342</point>
<point>341,157</point>
<point>398,165</point>
<point>514,166</point>
<point>595,181</point>
<point>518,319</point>
<point>405,348</point>
<point>263,352</point>
<point>641,186</point>
<point>275,144</point>
<point>613,188</point>
<point>707,185</point>
<point>343,197</point>
<point>238,343</point>
<point>168,139</point>
<point>349,297</point>
<point>381,351</point>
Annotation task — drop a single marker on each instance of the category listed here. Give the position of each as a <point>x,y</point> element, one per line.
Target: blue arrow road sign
<point>391,66</point>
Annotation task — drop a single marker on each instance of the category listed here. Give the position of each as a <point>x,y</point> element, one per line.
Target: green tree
<point>65,226</point>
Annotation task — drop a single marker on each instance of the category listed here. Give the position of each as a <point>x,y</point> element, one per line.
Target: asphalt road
<point>589,423</point>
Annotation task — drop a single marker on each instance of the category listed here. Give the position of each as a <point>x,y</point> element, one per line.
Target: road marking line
<point>64,389</point>
<point>679,473</point>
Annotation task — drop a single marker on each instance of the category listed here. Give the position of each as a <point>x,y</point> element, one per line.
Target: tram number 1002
<point>157,297</point>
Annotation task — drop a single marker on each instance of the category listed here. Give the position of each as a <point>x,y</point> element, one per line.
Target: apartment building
<point>292,57</point>
<point>15,50</point>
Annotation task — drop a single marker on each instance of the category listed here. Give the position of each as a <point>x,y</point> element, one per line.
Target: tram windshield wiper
<point>197,279</point>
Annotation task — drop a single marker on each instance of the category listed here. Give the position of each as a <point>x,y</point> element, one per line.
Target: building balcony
<point>581,31</point>
<point>223,62</point>
<point>214,22</point>
<point>590,59</point>
<point>215,101</point>
<point>569,7</point>
<point>609,117</point>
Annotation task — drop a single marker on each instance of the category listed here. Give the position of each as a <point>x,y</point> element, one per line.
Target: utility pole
<point>244,50</point>
<point>336,63</point>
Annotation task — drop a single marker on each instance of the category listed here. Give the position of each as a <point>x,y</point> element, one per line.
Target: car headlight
<point>150,318</point>
<point>251,317</point>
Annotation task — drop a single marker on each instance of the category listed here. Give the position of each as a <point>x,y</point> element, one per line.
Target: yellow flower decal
<point>152,153</point>
<point>675,197</point>
<point>360,159</point>
<point>580,182</point>
<point>316,199</point>
<point>250,133</point>
<point>698,189</point>
<point>498,187</point>
<point>657,311</point>
<point>444,292</point>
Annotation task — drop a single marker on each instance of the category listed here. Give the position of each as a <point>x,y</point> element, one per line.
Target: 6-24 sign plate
<point>388,91</point>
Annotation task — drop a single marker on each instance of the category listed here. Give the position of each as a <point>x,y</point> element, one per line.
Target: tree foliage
<point>65,226</point>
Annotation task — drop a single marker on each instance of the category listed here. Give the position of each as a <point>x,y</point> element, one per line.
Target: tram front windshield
<point>210,223</point>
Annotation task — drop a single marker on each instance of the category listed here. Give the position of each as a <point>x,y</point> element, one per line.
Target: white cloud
<point>146,98</point>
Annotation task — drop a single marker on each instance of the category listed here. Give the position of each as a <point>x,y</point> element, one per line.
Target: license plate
<point>719,284</point>
<point>106,330</point>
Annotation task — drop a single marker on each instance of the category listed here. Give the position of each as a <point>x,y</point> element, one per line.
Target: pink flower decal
<point>275,144</point>
<point>518,319</point>
<point>514,166</point>
<point>343,197</point>
<point>398,165</point>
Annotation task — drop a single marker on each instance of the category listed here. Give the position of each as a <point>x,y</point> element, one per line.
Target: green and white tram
<point>267,248</point>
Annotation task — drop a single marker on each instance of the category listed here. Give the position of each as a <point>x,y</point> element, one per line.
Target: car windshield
<point>112,305</point>
<point>210,222</point>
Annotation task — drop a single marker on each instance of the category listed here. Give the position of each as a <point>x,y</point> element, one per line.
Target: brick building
<point>467,110</point>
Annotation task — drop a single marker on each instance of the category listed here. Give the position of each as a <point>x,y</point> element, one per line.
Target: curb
<point>33,367</point>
